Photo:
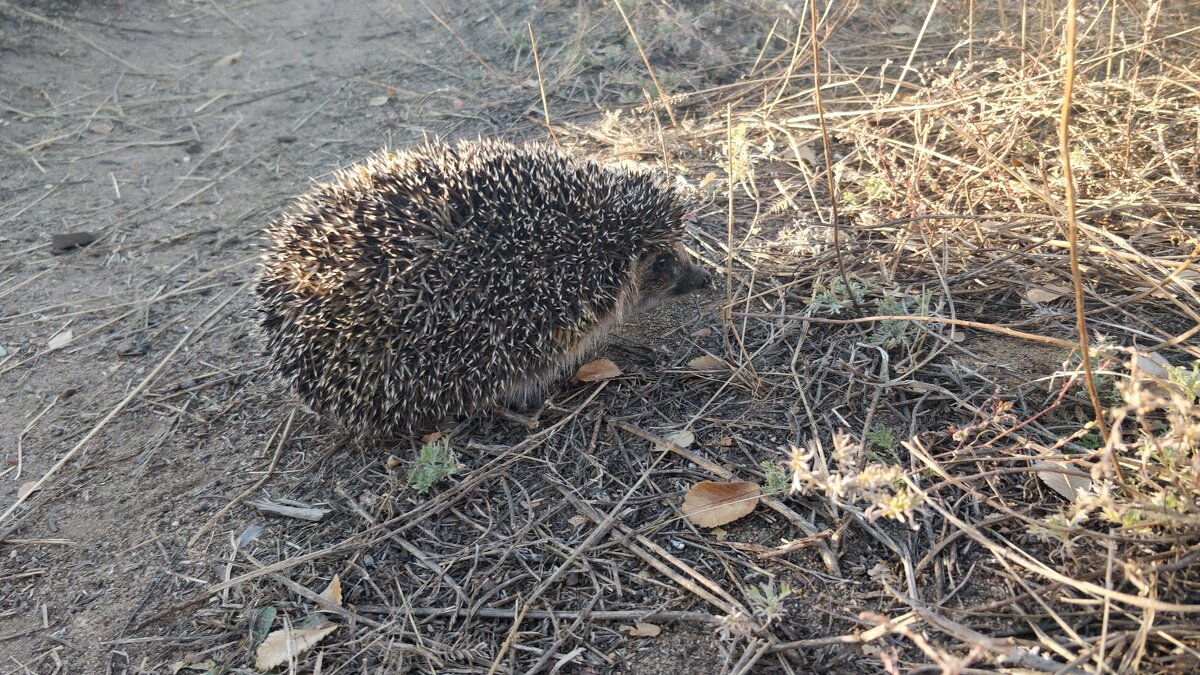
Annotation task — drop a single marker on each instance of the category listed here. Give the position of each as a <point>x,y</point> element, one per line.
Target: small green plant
<point>778,478</point>
<point>834,298</point>
<point>1187,380</point>
<point>877,189</point>
<point>521,42</point>
<point>1105,379</point>
<point>888,334</point>
<point>882,437</point>
<point>1090,440</point>
<point>768,602</point>
<point>881,445</point>
<point>435,462</point>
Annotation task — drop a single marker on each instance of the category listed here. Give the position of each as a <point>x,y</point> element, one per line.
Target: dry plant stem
<point>913,52</point>
<point>602,529</point>
<point>537,64</point>
<point>833,196</point>
<point>1022,558</point>
<point>282,440</point>
<point>827,556</point>
<point>992,328</point>
<point>400,523</point>
<point>725,314</point>
<point>7,529</point>
<point>1073,227</point>
<point>541,614</point>
<point>636,43</point>
<point>71,31</point>
<point>466,48</point>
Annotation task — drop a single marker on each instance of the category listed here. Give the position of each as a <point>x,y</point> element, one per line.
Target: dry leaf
<point>707,362</point>
<point>333,592</point>
<point>1047,294</point>
<point>1189,278</point>
<point>377,100</point>
<point>600,369</point>
<point>642,629</point>
<point>578,520</point>
<point>27,488</point>
<point>285,644</point>
<point>720,533</point>
<point>1151,364</point>
<point>430,438</point>
<point>1064,484</point>
<point>228,60</point>
<point>712,175</point>
<point>711,504</point>
<point>61,339</point>
<point>807,154</point>
<point>392,462</point>
<point>702,333</point>
<point>725,441</point>
<point>682,438</point>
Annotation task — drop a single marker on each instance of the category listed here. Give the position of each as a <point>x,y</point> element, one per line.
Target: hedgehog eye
<point>662,264</point>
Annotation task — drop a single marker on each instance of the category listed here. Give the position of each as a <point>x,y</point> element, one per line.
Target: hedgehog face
<point>668,273</point>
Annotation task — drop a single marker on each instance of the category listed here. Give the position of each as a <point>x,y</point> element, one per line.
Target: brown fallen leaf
<point>26,489</point>
<point>708,362</point>
<point>1045,294</point>
<point>431,437</point>
<point>682,438</point>
<point>642,629</point>
<point>392,462</point>
<point>285,644</point>
<point>1150,363</point>
<point>333,592</point>
<point>577,520</point>
<point>807,154</point>
<point>595,371</point>
<point>1064,484</point>
<point>712,504</point>
<point>61,340</point>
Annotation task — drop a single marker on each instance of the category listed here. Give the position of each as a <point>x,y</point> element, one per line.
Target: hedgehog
<point>445,281</point>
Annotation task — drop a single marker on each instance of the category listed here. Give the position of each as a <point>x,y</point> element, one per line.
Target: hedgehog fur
<point>443,280</point>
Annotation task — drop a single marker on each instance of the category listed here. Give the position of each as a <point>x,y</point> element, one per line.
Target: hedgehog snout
<point>693,279</point>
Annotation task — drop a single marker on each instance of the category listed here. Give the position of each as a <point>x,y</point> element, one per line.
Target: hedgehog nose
<point>695,280</point>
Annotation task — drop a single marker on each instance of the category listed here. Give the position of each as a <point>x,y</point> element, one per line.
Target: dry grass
<point>953,208</point>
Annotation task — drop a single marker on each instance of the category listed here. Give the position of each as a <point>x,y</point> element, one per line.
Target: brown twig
<point>1064,126</point>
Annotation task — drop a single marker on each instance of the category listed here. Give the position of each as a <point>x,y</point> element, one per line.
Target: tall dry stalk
<point>1064,128</point>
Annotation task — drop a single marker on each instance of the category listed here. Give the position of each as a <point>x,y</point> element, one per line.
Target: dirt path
<point>172,131</point>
